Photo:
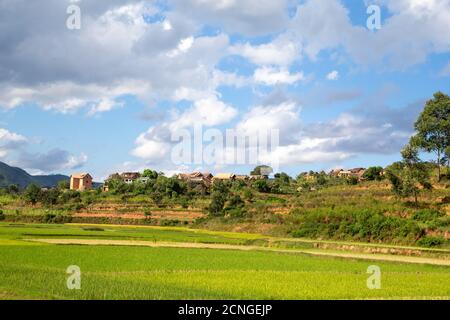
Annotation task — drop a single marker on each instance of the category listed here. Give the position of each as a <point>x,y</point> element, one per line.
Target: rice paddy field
<point>180,263</point>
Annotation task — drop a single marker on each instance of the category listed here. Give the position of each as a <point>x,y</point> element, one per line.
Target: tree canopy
<point>433,127</point>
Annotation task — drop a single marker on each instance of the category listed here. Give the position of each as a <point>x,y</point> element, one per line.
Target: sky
<point>110,95</point>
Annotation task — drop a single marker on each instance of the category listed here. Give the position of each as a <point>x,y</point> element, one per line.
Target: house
<point>242,177</point>
<point>352,173</point>
<point>224,177</point>
<point>258,177</point>
<point>143,179</point>
<point>197,178</point>
<point>335,172</point>
<point>358,173</point>
<point>344,174</point>
<point>130,177</point>
<point>127,177</point>
<point>81,181</point>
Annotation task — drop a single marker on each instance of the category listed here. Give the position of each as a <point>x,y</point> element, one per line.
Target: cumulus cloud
<point>272,76</point>
<point>10,141</point>
<point>52,161</point>
<point>156,144</point>
<point>325,24</point>
<point>333,75</point>
<point>117,52</point>
<point>283,51</point>
<point>13,149</point>
<point>250,17</point>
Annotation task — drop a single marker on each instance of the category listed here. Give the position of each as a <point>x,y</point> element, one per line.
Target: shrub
<point>217,203</point>
<point>373,173</point>
<point>430,242</point>
<point>427,215</point>
<point>261,186</point>
<point>32,193</point>
<point>55,218</point>
<point>2,215</point>
<point>365,225</point>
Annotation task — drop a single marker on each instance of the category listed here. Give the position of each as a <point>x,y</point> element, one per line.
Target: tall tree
<point>406,176</point>
<point>433,127</point>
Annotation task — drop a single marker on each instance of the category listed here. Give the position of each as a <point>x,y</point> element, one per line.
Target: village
<point>84,181</point>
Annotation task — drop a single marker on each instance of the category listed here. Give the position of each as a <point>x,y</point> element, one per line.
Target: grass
<point>32,270</point>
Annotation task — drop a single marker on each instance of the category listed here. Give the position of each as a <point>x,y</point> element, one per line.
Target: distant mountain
<point>11,175</point>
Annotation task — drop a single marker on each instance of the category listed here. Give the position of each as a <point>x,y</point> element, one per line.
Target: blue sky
<point>106,97</point>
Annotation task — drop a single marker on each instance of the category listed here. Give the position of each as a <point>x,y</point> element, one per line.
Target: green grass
<point>19,231</point>
<point>31,270</point>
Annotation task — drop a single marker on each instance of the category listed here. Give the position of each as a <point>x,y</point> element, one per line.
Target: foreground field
<point>30,269</point>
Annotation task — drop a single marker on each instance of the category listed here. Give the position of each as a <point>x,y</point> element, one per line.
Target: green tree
<point>433,127</point>
<point>261,171</point>
<point>219,197</point>
<point>261,186</point>
<point>13,189</point>
<point>32,193</point>
<point>406,176</point>
<point>283,178</point>
<point>63,185</point>
<point>150,174</point>
<point>373,173</point>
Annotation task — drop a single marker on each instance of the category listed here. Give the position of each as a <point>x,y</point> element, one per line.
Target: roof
<point>80,175</point>
<point>224,176</point>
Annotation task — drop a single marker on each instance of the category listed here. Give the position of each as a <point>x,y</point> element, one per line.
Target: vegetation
<point>433,129</point>
<point>33,270</point>
<point>406,203</point>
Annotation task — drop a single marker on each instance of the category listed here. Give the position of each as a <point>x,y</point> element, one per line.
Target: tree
<point>150,174</point>
<point>433,127</point>
<point>406,176</point>
<point>373,173</point>
<point>261,171</point>
<point>13,189</point>
<point>261,186</point>
<point>219,196</point>
<point>32,193</point>
<point>283,178</point>
<point>63,185</point>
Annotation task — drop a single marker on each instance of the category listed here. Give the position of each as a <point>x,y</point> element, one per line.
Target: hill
<point>11,175</point>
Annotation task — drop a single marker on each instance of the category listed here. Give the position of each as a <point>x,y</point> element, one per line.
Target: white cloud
<point>325,24</point>
<point>284,117</point>
<point>156,144</point>
<point>333,75</point>
<point>10,141</point>
<point>115,53</point>
<point>272,76</point>
<point>281,52</point>
<point>250,17</point>
<point>13,149</point>
<point>208,112</point>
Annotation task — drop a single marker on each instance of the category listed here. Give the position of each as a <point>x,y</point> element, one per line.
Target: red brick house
<point>81,181</point>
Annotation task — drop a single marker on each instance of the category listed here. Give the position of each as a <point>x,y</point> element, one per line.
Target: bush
<point>261,186</point>
<point>55,218</point>
<point>2,215</point>
<point>217,203</point>
<point>430,242</point>
<point>427,215</point>
<point>362,226</point>
<point>32,193</point>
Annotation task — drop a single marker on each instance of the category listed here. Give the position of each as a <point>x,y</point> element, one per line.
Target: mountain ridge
<point>16,176</point>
